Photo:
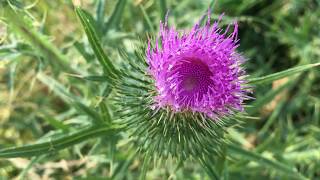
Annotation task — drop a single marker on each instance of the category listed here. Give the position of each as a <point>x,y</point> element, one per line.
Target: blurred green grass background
<point>37,93</point>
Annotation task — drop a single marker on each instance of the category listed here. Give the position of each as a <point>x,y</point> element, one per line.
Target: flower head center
<point>195,76</point>
<point>189,83</point>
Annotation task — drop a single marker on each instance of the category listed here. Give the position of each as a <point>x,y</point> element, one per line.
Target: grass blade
<point>18,22</point>
<point>122,169</point>
<point>100,14</point>
<point>96,118</point>
<point>57,88</point>
<point>93,78</point>
<point>262,101</point>
<point>209,168</point>
<point>274,165</point>
<point>115,17</point>
<point>81,49</point>
<point>147,18</point>
<point>163,9</point>
<point>54,122</point>
<point>282,74</point>
<point>304,156</point>
<point>69,98</point>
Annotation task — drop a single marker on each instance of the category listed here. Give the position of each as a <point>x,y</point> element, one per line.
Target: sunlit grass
<point>55,80</point>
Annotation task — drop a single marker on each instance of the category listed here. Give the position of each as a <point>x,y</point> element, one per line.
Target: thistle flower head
<point>199,70</point>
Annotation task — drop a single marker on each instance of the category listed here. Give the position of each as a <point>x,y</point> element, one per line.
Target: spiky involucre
<point>198,71</point>
<point>166,126</point>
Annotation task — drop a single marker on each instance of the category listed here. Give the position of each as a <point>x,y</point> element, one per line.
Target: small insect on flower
<point>198,71</point>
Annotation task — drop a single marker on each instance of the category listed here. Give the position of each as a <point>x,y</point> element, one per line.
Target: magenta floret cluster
<point>199,70</point>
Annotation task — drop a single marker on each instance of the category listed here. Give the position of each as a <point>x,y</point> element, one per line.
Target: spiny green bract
<point>162,133</point>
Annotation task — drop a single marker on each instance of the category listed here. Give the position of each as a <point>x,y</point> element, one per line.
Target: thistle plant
<point>178,97</point>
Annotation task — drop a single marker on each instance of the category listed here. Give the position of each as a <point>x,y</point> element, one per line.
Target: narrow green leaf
<point>122,169</point>
<point>316,114</point>
<point>163,9</point>
<point>57,88</point>
<point>15,49</point>
<point>147,18</point>
<point>16,4</point>
<point>303,156</point>
<point>100,14</point>
<point>93,23</point>
<point>88,111</point>
<point>81,49</point>
<point>96,78</point>
<point>282,74</point>
<point>105,114</point>
<point>59,143</point>
<point>104,60</point>
<point>145,166</point>
<point>69,98</point>
<point>33,161</point>
<point>272,164</point>
<point>220,167</point>
<point>276,112</point>
<point>268,97</point>
<point>115,17</point>
<point>19,22</point>
<point>209,168</point>
<point>54,122</point>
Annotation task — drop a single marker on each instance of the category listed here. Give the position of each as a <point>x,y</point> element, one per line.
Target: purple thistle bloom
<point>198,71</point>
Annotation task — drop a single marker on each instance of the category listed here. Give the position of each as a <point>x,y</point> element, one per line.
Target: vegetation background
<point>50,88</point>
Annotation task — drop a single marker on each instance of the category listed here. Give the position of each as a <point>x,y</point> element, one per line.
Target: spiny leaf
<point>96,78</point>
<point>59,143</point>
<point>282,74</point>
<point>104,60</point>
<point>161,133</point>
